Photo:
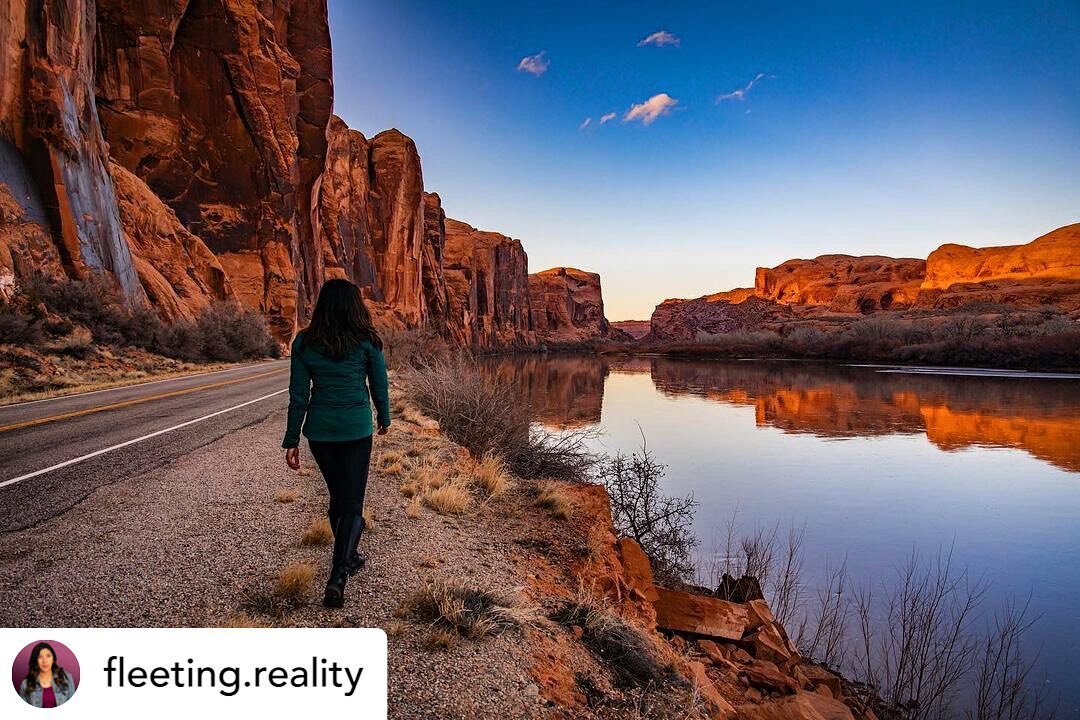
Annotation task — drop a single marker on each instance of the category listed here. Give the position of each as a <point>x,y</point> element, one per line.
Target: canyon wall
<point>1042,273</point>
<point>487,275</point>
<point>567,305</point>
<point>187,149</point>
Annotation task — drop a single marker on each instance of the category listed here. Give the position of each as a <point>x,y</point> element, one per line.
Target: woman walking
<point>335,361</point>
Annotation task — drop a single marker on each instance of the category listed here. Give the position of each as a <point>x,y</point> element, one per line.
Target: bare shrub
<point>232,333</point>
<point>18,327</point>
<point>660,524</point>
<point>414,347</point>
<point>823,631</point>
<point>487,416</point>
<point>1002,678</point>
<point>915,641</point>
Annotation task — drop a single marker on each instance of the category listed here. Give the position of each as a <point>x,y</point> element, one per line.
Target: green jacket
<point>334,395</point>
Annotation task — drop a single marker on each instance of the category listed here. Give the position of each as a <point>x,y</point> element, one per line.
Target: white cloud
<point>648,111</point>
<point>585,123</point>
<point>607,117</point>
<point>740,93</point>
<point>660,38</point>
<point>535,64</point>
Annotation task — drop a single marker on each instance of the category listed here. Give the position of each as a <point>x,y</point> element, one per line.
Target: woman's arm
<point>379,385</point>
<point>299,396</point>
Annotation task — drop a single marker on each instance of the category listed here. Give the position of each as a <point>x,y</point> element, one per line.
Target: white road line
<point>251,366</point>
<point>124,444</point>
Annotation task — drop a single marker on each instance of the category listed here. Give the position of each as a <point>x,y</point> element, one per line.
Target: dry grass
<point>244,620</point>
<point>555,500</point>
<point>489,475</point>
<point>370,526</point>
<point>286,496</point>
<point>394,628</point>
<point>411,488</point>
<point>441,640</point>
<point>294,582</point>
<point>467,611</point>
<point>289,591</point>
<point>414,509</point>
<point>449,499</point>
<point>627,652</point>
<point>317,533</point>
<point>305,472</point>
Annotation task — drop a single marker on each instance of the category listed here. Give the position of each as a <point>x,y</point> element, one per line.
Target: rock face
<point>188,150</point>
<point>180,275</point>
<point>632,329</point>
<point>220,107</point>
<point>487,278</point>
<point>53,143</point>
<point>1045,271</point>
<point>567,305</point>
<point>843,283</point>
<point>682,320</point>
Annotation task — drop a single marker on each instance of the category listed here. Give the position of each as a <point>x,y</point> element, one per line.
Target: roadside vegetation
<point>79,333</point>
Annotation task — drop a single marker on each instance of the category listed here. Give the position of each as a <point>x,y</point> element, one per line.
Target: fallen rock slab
<point>685,612</point>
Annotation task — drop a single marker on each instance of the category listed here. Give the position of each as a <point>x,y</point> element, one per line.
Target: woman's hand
<point>383,429</point>
<point>292,458</point>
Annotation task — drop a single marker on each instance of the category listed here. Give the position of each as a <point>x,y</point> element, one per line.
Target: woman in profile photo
<point>336,360</point>
<point>46,684</point>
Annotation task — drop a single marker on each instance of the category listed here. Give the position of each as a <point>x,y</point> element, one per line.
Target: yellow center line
<point>133,401</point>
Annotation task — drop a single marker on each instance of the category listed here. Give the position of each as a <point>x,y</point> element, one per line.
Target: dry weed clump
<point>370,525</point>
<point>555,500</point>
<point>466,611</point>
<point>624,649</point>
<point>414,509</point>
<point>317,533</point>
<point>441,640</point>
<point>286,496</point>
<point>489,475</point>
<point>290,589</point>
<point>449,499</point>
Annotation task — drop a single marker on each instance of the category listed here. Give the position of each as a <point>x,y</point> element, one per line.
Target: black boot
<point>357,561</point>
<point>345,539</point>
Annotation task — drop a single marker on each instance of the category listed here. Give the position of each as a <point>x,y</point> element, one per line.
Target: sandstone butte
<point>568,306</point>
<point>189,151</point>
<point>1044,272</point>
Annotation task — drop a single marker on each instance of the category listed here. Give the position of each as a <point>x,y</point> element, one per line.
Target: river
<point>872,462</point>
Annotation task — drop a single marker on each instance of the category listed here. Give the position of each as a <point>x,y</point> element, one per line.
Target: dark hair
<point>340,322</point>
<point>59,676</point>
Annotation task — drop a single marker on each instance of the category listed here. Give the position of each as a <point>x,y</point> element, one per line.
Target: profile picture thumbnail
<point>45,673</point>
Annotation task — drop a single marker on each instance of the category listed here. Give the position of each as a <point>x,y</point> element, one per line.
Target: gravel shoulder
<point>191,543</point>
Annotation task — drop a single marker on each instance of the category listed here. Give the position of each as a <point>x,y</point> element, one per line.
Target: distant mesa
<point>1042,273</point>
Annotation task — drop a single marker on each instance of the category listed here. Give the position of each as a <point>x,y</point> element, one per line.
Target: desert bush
<point>487,416</point>
<point>449,499</point>
<point>414,347</point>
<point>467,611</point>
<point>18,327</point>
<point>232,333</point>
<point>554,499</point>
<point>660,524</point>
<point>318,533</point>
<point>79,344</point>
<point>625,650</point>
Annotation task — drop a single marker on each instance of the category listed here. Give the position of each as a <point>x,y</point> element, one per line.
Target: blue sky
<point>875,128</point>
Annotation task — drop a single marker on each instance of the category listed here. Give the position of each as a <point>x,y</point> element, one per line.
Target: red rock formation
<point>179,273</point>
<point>48,115</point>
<point>1045,271</point>
<point>843,283</point>
<point>487,279</point>
<point>221,106</point>
<point>633,329</point>
<point>567,305</point>
<point>682,320</point>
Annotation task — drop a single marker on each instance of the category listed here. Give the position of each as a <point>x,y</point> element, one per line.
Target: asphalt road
<point>55,452</point>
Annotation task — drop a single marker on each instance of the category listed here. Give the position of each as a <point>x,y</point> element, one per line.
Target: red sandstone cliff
<point>221,107</point>
<point>843,283</point>
<point>1045,271</point>
<point>567,305</point>
<point>487,277</point>
<point>188,149</point>
<point>59,203</point>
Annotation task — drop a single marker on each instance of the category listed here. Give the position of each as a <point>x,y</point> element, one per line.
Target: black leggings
<point>344,466</point>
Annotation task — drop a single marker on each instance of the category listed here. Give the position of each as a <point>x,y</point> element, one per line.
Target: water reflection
<point>1040,417</point>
